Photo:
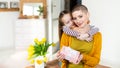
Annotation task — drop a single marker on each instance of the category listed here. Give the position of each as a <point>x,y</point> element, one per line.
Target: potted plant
<point>37,52</point>
<point>40,10</point>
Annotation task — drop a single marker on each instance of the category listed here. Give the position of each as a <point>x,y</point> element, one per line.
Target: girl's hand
<point>60,56</point>
<point>83,36</point>
<point>89,39</point>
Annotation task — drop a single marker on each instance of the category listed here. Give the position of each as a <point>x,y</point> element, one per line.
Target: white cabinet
<point>28,29</point>
<point>56,8</point>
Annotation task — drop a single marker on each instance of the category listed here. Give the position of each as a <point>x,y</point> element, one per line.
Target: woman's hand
<point>60,56</point>
<point>79,59</point>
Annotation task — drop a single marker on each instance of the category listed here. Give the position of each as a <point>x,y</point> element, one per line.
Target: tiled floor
<point>13,59</point>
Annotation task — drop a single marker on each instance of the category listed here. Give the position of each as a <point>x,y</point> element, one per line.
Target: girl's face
<point>80,18</point>
<point>67,20</point>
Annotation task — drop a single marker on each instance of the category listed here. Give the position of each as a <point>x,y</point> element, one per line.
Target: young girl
<point>89,50</point>
<point>70,28</point>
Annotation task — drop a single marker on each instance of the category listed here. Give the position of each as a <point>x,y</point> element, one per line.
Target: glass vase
<point>39,62</point>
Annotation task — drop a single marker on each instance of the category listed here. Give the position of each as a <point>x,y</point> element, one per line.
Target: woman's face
<point>67,20</point>
<point>80,18</point>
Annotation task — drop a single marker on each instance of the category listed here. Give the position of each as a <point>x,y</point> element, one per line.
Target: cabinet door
<point>56,8</point>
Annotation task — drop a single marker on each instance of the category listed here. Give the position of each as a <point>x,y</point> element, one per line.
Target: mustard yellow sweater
<point>90,60</point>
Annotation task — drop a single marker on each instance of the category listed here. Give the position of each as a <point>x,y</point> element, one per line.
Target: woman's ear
<point>88,14</point>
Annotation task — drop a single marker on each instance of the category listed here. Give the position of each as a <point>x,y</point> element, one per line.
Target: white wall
<point>26,30</point>
<point>105,14</point>
<point>7,20</point>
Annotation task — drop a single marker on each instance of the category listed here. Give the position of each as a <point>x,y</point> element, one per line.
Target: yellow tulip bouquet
<point>39,48</point>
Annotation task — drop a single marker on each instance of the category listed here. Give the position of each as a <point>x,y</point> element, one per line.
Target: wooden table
<point>49,64</point>
<point>54,64</point>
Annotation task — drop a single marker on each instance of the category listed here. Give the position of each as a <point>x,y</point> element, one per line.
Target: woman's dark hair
<point>61,24</point>
<point>82,8</point>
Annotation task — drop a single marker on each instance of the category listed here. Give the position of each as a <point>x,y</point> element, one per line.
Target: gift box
<point>70,54</point>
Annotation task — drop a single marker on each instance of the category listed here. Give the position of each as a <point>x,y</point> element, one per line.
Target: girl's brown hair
<point>61,24</point>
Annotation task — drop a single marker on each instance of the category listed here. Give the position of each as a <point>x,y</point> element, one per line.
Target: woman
<point>89,50</point>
